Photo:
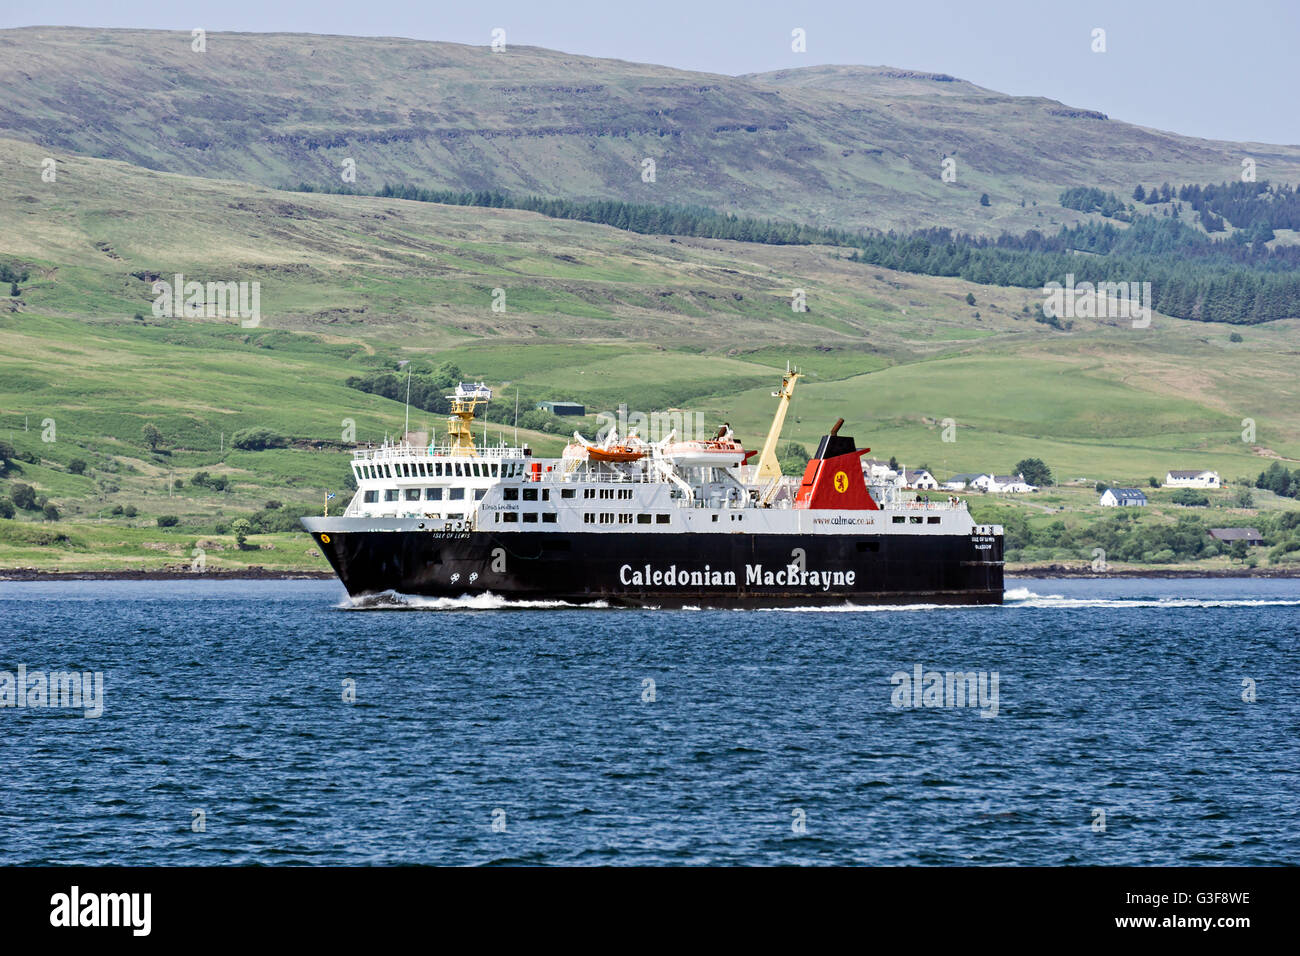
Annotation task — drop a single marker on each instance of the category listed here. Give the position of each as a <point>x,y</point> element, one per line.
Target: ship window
<point>412,494</point>
<point>511,517</point>
<point>477,470</point>
<point>457,494</point>
<point>390,494</point>
<point>915,519</point>
<point>495,469</point>
<point>932,519</point>
<point>661,519</point>
<point>715,517</point>
<point>566,492</point>
<point>370,497</point>
<point>479,493</point>
<point>530,517</point>
<point>548,518</point>
<point>642,519</point>
<point>530,494</point>
<point>510,494</point>
<point>899,519</point>
<point>437,469</point>
<point>432,494</point>
<point>454,517</point>
<point>606,518</point>
<point>419,468</point>
<point>546,494</point>
<point>625,519</point>
<point>586,517</point>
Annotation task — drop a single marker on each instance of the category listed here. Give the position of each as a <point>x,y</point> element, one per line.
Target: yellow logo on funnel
<point>841,482</point>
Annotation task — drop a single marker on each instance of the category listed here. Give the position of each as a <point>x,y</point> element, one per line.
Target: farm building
<point>1230,535</point>
<point>1193,479</point>
<point>562,408</point>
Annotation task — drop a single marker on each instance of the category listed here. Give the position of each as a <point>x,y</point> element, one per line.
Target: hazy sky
<point>1220,70</point>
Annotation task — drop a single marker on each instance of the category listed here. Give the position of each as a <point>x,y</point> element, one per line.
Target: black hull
<point>620,568</point>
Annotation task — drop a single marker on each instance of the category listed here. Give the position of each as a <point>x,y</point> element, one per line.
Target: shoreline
<point>1086,571</point>
<point>164,574</point>
<point>264,574</point>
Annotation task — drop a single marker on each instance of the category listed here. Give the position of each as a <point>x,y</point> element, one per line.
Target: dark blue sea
<point>482,734</point>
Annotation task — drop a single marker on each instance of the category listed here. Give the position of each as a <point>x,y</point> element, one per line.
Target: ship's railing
<point>957,505</point>
<point>405,450</point>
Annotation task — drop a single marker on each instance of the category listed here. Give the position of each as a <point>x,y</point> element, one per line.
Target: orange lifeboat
<point>612,450</point>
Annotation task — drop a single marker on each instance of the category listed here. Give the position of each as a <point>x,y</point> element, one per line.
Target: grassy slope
<point>593,314</point>
<point>828,145</point>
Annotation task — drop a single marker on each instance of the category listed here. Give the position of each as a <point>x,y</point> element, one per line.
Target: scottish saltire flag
<point>329,496</point>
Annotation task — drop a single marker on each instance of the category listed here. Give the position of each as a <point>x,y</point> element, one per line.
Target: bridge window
<point>390,494</point>
<point>370,497</point>
<point>496,469</point>
<point>479,493</point>
<point>432,494</point>
<point>456,494</point>
<point>412,494</point>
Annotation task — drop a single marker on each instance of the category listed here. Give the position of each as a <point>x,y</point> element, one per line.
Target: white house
<point>1123,498</point>
<point>1193,479</point>
<point>1008,484</point>
<point>921,480</point>
<point>959,482</point>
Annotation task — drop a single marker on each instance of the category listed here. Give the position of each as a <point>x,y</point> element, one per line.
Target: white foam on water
<point>487,601</point>
<point>1024,594</point>
<point>1023,597</point>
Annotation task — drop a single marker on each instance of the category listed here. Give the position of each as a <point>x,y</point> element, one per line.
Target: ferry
<point>634,523</point>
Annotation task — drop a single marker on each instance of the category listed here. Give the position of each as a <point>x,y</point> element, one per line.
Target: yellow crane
<point>768,467</point>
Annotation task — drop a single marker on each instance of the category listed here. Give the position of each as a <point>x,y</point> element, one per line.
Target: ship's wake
<point>1025,598</point>
<point>487,601</point>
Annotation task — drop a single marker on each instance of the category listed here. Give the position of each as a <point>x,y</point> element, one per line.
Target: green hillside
<point>829,146</point>
<point>351,285</point>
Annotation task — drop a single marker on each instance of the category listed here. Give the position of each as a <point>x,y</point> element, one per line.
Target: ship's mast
<point>460,423</point>
<point>768,466</point>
